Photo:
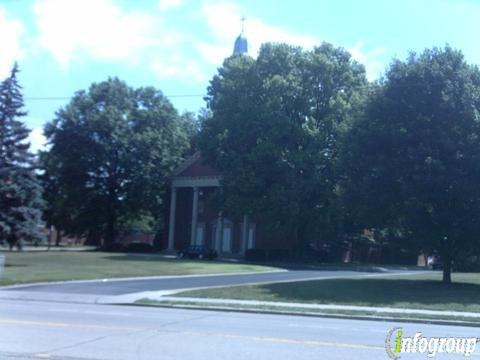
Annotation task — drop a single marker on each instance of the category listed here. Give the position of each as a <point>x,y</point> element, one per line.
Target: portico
<point>192,220</point>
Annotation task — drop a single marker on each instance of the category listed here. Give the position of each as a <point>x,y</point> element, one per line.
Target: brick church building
<point>192,219</point>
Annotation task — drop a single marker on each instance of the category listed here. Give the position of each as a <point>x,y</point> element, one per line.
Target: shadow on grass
<point>137,257</point>
<point>159,258</point>
<point>370,268</point>
<point>377,292</point>
<point>326,266</point>
<point>358,267</point>
<point>15,265</point>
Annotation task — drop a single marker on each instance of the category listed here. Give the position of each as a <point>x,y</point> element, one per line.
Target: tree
<point>20,190</point>
<point>112,149</point>
<point>273,131</point>
<point>413,160</point>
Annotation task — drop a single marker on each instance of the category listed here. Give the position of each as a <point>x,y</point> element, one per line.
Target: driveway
<point>128,286</point>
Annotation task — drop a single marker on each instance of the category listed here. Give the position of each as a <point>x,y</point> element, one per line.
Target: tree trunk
<point>94,238</point>
<point>11,240</point>
<point>58,238</point>
<point>300,254</point>
<point>110,230</point>
<point>447,270</point>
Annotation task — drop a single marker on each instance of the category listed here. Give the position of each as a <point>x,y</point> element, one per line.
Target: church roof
<point>241,45</point>
<point>195,167</point>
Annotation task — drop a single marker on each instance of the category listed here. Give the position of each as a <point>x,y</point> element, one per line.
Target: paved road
<point>31,330</point>
<point>119,287</point>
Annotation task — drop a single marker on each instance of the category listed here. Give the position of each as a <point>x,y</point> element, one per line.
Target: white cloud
<point>371,59</point>
<point>179,68</point>
<point>95,28</point>
<point>223,20</point>
<point>101,30</point>
<point>165,5</point>
<point>37,140</point>
<point>11,31</point>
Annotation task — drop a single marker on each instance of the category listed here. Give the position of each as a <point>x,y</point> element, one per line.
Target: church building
<point>192,219</point>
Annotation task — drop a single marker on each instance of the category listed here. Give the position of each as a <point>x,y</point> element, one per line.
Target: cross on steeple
<point>241,44</point>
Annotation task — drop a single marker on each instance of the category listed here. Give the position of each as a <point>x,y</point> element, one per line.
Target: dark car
<point>197,252</point>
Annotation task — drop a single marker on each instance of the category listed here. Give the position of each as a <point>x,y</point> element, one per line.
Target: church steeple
<point>241,44</point>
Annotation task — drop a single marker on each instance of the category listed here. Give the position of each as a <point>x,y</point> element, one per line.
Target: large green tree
<point>274,129</point>
<point>20,190</point>
<point>412,162</point>
<point>112,149</point>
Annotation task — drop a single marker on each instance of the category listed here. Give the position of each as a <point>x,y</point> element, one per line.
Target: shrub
<point>115,247</point>
<point>255,255</point>
<point>278,254</point>
<point>140,248</point>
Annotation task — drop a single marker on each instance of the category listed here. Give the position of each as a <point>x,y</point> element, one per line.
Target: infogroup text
<point>397,343</point>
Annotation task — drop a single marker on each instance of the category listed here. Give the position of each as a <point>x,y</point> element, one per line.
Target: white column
<point>244,234</point>
<point>193,238</point>
<point>171,225</point>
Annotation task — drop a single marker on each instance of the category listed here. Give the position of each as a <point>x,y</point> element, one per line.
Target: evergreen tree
<point>20,190</point>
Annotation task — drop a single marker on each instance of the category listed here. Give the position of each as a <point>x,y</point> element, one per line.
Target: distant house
<point>57,237</point>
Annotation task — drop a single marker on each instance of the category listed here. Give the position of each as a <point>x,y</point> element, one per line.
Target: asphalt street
<point>41,330</point>
<point>119,287</point>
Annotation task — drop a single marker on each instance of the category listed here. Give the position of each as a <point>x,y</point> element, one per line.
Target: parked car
<point>321,253</point>
<point>434,262</point>
<point>197,252</point>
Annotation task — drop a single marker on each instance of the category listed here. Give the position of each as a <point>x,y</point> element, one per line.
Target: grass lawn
<point>28,267</point>
<point>422,291</point>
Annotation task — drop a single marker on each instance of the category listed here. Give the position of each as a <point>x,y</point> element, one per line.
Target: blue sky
<point>176,45</point>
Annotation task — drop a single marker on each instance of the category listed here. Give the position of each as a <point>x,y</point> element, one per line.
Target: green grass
<point>28,267</point>
<point>313,265</point>
<point>302,311</point>
<point>422,291</point>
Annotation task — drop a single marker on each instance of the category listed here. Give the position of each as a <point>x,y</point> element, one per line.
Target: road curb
<point>312,314</point>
